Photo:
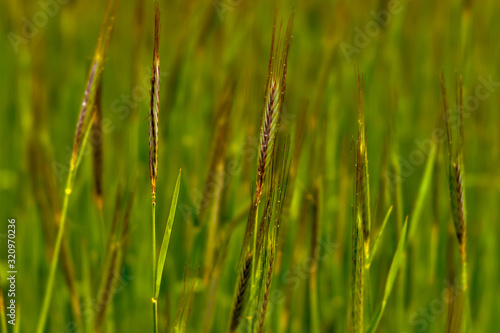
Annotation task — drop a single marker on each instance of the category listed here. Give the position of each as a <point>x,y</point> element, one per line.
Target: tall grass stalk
<point>362,175</point>
<point>153,152</point>
<point>361,214</point>
<point>84,125</point>
<point>274,97</point>
<point>455,178</point>
<point>153,242</point>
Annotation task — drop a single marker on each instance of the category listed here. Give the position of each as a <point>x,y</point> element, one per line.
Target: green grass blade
<point>393,272</point>
<point>166,237</point>
<point>375,245</point>
<point>423,190</point>
<point>419,204</point>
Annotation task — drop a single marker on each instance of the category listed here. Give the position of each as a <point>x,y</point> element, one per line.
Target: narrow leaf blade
<point>425,186</point>
<point>393,272</point>
<point>166,237</point>
<point>375,245</point>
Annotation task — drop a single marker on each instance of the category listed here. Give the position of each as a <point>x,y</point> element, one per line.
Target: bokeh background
<point>400,46</point>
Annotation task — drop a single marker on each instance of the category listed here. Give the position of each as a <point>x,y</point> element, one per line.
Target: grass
<point>457,192</point>
<point>319,192</point>
<point>85,121</point>
<point>154,110</point>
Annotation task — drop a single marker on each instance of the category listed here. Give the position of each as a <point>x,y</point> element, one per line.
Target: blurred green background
<point>400,46</point>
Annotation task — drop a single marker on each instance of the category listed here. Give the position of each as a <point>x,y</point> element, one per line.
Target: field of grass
<point>366,198</point>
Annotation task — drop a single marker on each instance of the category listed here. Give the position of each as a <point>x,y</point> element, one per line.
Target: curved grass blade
<point>375,245</point>
<point>166,237</point>
<point>417,211</point>
<point>393,271</point>
<point>425,186</point>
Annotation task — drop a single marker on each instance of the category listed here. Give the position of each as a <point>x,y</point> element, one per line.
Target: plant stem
<point>154,300</point>
<point>75,161</point>
<point>155,315</point>
<point>55,257</point>
<point>467,317</point>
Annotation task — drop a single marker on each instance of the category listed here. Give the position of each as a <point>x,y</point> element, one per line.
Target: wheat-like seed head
<point>85,115</point>
<point>87,108</point>
<point>154,106</point>
<point>455,170</point>
<point>273,104</point>
<point>240,296</point>
<point>87,93</point>
<point>270,126</point>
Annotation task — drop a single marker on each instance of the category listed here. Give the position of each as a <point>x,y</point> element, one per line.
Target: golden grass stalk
<point>82,131</point>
